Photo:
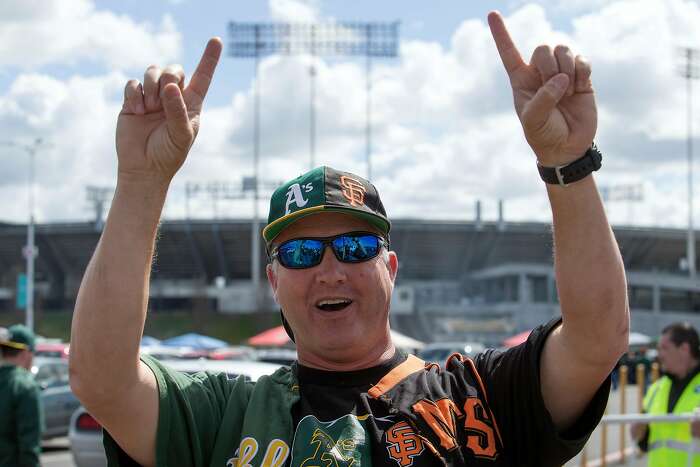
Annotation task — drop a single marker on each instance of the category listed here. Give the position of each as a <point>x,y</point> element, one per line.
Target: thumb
<point>178,122</point>
<point>538,109</point>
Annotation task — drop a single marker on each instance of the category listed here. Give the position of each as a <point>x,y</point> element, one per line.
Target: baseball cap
<point>20,337</point>
<point>325,189</point>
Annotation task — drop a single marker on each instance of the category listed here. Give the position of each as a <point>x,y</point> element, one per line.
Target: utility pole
<point>29,251</point>
<point>690,72</point>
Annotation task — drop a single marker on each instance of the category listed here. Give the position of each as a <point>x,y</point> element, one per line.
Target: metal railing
<point>623,418</point>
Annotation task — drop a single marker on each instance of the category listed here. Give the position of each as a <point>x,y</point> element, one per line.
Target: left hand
<point>553,97</point>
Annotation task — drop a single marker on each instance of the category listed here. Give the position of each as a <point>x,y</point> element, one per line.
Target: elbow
<point>615,336</point>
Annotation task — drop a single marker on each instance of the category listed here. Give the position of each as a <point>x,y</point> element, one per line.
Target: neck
<point>14,362</point>
<point>692,363</point>
<point>328,363</point>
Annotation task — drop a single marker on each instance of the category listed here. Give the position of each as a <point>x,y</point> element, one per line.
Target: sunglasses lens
<point>355,248</point>
<point>300,253</point>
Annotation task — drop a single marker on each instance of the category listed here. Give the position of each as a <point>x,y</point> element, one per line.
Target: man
<point>351,397</point>
<point>20,405</point>
<point>676,392</point>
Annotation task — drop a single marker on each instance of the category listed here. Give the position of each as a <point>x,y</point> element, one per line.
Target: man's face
<point>672,358</point>
<point>335,335</point>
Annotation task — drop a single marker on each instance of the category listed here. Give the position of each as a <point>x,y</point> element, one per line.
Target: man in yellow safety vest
<point>677,392</point>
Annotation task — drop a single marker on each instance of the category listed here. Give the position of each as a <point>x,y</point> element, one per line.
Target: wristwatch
<point>574,171</point>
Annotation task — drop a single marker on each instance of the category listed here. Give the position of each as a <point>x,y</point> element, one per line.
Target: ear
<point>272,279</point>
<point>685,347</point>
<point>393,265</point>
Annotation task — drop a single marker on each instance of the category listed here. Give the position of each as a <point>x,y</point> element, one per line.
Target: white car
<point>439,351</point>
<point>85,433</point>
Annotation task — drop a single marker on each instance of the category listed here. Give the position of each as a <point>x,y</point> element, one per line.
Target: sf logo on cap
<point>353,190</point>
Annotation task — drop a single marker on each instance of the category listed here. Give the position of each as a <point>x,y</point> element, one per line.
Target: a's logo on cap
<point>295,196</point>
<point>353,190</point>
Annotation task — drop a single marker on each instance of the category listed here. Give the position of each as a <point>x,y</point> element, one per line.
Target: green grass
<point>234,329</point>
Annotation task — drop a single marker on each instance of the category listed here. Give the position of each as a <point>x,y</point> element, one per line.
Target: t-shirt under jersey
<point>488,412</point>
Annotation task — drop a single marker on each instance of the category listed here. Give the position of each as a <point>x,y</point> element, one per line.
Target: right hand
<point>159,119</point>
<point>638,431</point>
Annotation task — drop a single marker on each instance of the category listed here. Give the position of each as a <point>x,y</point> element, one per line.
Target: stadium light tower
<point>255,40</point>
<point>29,251</point>
<point>690,72</point>
<point>371,40</point>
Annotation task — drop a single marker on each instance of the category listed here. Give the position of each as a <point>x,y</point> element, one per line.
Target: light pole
<point>690,72</point>
<point>29,251</point>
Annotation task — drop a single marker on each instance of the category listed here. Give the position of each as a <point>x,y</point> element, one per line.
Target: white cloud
<point>444,131</point>
<point>37,33</point>
<point>293,11</point>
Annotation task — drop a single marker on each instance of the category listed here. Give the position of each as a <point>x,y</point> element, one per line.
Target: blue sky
<point>445,134</point>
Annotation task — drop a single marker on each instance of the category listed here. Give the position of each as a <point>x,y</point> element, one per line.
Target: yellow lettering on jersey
<point>244,454</point>
<point>276,454</point>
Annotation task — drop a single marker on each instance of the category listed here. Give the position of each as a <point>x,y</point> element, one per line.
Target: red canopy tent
<point>274,337</point>
<point>517,339</point>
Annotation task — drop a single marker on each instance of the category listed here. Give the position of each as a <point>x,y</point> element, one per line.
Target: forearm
<point>112,301</point>
<point>589,272</point>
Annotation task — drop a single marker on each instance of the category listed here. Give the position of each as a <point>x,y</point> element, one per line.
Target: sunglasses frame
<point>327,242</point>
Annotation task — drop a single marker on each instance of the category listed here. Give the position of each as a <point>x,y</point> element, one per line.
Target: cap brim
<point>271,231</point>
<point>15,345</point>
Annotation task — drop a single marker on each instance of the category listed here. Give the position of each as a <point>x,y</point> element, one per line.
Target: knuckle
<point>152,67</point>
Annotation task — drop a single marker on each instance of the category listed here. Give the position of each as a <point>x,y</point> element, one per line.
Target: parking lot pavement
<point>56,453</point>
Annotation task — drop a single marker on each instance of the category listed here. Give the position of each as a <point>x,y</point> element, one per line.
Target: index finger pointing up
<point>199,84</point>
<point>506,48</point>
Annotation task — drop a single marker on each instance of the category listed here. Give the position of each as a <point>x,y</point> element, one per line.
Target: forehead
<point>324,224</point>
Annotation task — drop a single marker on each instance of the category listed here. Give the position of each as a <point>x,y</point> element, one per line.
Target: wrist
<point>578,169</point>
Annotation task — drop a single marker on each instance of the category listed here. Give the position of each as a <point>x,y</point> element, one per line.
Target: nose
<point>330,270</point>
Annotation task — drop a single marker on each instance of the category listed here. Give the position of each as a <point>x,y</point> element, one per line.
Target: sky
<point>444,132</point>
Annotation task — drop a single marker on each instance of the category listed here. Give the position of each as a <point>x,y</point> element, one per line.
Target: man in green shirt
<point>352,399</point>
<point>20,404</point>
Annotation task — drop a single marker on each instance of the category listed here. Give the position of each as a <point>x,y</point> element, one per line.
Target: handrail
<point>649,418</point>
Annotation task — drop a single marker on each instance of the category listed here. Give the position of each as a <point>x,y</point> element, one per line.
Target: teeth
<point>333,301</point>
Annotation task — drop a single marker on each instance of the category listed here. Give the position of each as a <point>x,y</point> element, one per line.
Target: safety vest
<point>669,443</point>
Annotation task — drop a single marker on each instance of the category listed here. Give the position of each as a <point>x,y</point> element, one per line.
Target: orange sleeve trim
<point>391,379</point>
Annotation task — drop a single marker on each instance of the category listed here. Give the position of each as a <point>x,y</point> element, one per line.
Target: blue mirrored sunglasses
<point>352,247</point>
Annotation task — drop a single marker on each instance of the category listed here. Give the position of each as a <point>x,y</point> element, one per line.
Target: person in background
<point>676,392</point>
<point>20,405</point>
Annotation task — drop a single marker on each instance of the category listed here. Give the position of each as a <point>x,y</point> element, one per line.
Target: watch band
<point>574,171</point>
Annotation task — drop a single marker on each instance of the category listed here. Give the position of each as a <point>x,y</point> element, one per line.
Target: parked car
<point>85,434</point>
<point>57,399</point>
<point>280,356</point>
<point>439,351</point>
<point>52,349</point>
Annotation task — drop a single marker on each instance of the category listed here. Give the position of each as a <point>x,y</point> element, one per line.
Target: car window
<point>52,375</point>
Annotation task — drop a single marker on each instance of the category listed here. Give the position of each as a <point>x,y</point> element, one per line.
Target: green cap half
<point>324,189</point>
<point>20,337</point>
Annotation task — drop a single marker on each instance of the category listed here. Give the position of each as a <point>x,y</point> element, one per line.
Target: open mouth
<point>333,304</point>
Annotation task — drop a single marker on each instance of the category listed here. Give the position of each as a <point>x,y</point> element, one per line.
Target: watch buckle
<point>560,177</point>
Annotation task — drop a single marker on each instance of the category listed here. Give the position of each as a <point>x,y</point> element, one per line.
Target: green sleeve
<point>29,425</point>
<point>191,409</point>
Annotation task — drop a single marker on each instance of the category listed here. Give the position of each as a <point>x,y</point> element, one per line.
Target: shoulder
<point>24,379</point>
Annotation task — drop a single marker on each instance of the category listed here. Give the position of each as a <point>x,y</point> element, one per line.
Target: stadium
<point>470,280</point>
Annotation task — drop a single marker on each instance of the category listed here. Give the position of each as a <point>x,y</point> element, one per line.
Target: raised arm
<point>157,125</point>
<point>555,102</point>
